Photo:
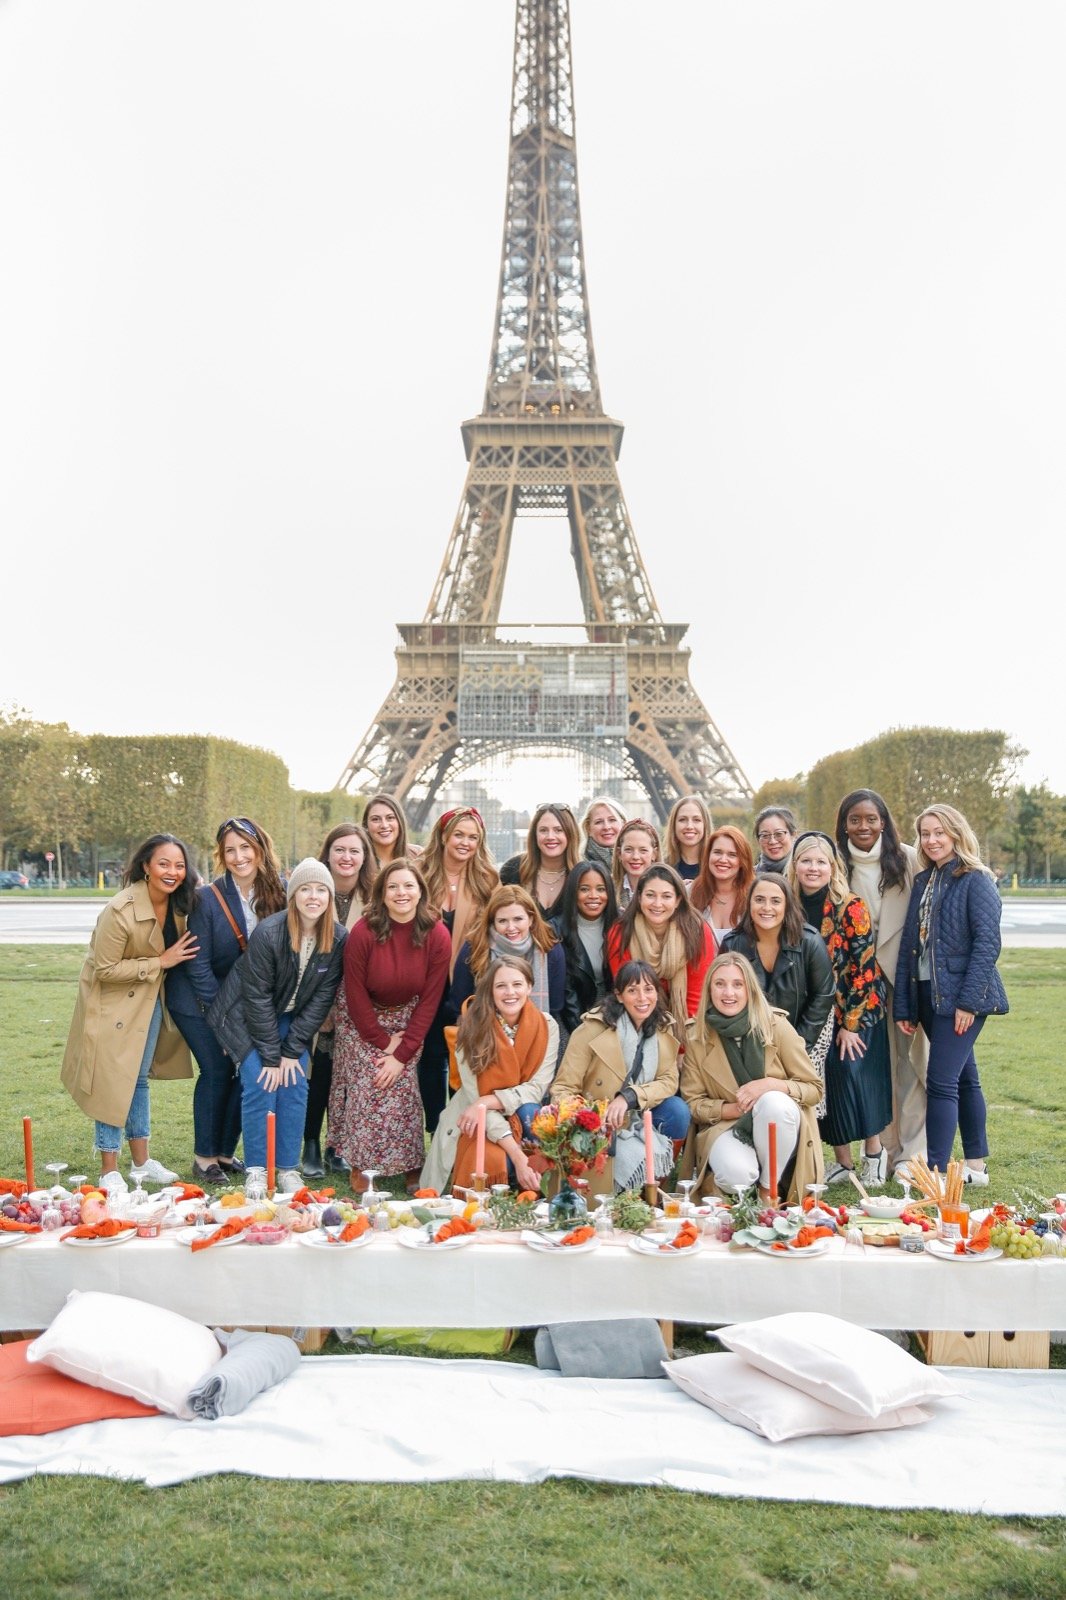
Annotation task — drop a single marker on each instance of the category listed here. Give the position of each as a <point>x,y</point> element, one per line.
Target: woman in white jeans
<point>745,1068</point>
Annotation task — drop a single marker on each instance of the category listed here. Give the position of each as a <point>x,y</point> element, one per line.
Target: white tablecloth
<point>499,1282</point>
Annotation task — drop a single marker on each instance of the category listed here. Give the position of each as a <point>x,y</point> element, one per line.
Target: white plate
<point>187,1236</point>
<point>15,1238</point>
<point>418,1239</point>
<point>553,1246</point>
<point>320,1241</point>
<point>946,1252</point>
<point>647,1244</point>
<point>98,1244</point>
<point>814,1249</point>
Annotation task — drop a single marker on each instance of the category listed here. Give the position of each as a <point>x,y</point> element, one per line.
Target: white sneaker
<point>837,1172</point>
<point>902,1172</point>
<point>975,1175</point>
<point>875,1170</point>
<point>153,1172</point>
<point>289,1181</point>
<point>113,1183</point>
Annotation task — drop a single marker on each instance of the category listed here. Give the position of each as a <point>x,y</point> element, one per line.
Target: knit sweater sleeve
<point>358,949</point>
<point>432,971</point>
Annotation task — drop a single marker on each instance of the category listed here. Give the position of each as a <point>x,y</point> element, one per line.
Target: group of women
<point>833,987</point>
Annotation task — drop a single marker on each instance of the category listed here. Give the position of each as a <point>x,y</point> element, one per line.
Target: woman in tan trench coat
<point>120,1032</point>
<point>745,1067</point>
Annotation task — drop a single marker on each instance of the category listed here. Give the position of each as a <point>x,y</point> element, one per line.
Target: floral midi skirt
<point>379,1128</point>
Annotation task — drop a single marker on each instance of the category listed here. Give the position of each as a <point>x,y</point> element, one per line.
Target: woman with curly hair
<point>660,927</point>
<point>395,968</point>
<point>460,877</point>
<point>553,848</point>
<point>858,1079</point>
<point>720,892</point>
<point>505,1051</point>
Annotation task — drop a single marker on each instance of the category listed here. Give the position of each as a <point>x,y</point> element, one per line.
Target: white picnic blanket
<point>381,1419</point>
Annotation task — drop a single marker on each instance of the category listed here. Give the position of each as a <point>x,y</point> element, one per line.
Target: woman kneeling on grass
<point>505,1050</point>
<point>273,1002</point>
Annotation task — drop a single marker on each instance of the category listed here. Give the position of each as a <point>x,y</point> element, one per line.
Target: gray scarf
<point>640,1053</point>
<point>500,948</point>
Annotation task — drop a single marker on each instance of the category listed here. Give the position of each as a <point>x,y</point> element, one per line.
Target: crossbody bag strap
<point>241,938</point>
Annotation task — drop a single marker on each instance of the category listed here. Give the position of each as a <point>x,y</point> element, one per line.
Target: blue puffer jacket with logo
<point>964,945</point>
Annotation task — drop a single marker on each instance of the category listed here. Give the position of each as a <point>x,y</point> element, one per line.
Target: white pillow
<point>752,1399</point>
<point>847,1367</point>
<point>128,1347</point>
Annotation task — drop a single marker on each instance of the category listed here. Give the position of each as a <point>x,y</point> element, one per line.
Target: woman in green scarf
<point>745,1067</point>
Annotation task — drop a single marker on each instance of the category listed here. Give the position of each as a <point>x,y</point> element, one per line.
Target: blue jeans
<point>289,1105</point>
<point>953,1090</point>
<point>670,1117</point>
<point>138,1117</point>
<point>216,1099</point>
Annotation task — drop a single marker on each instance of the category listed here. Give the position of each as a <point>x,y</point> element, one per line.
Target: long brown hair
<point>792,927</point>
<point>479,1035</point>
<point>689,924</point>
<point>704,884</point>
<point>364,881</point>
<point>391,802</point>
<point>325,927</point>
<point>480,875</point>
<point>508,894</point>
<point>268,891</point>
<point>671,846</point>
<point>532,861</point>
<point>376,916</point>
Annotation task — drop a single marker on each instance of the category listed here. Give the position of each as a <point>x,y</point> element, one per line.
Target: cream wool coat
<point>120,981</point>
<point>707,1083</point>
<point>593,1066</point>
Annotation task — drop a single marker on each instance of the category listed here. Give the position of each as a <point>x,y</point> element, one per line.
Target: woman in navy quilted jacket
<point>947,983</point>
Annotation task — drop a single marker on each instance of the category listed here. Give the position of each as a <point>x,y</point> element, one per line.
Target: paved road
<point>1033,923</point>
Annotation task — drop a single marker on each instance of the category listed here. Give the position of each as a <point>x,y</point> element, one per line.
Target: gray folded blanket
<point>252,1362</point>
<point>631,1347</point>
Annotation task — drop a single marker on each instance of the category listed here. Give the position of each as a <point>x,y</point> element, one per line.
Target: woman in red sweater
<point>394,976</point>
<point>660,927</point>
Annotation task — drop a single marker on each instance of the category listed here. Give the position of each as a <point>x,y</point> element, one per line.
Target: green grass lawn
<point>72,1537</point>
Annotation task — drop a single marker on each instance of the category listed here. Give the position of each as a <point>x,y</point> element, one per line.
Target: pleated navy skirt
<point>858,1093</point>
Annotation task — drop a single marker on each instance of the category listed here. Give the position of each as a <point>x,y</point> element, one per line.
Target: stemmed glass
<point>370,1195</point>
<point>602,1220</point>
<point>56,1168</point>
<point>687,1185</point>
<point>76,1180</point>
<point>138,1197</point>
<point>816,1190</point>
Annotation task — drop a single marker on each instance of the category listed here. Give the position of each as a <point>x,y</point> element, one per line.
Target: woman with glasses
<point>775,829</point>
<point>247,889</point>
<point>661,928</point>
<point>460,877</point>
<point>384,820</point>
<point>348,854</point>
<point>635,850</point>
<point>601,824</point>
<point>688,827</point>
<point>553,848</point>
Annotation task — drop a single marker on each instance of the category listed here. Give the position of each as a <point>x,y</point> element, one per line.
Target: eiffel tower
<point>542,444</point>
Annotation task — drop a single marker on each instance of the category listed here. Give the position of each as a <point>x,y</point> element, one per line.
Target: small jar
<point>954,1224</point>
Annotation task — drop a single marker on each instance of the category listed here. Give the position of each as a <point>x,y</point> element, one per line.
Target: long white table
<point>499,1282</point>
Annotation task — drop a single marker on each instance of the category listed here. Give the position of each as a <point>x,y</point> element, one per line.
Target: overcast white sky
<point>248,273</point>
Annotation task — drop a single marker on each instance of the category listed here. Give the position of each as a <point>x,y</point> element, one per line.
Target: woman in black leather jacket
<point>789,959</point>
<point>271,1005</point>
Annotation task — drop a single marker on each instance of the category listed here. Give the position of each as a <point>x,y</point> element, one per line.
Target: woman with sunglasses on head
<point>271,1005</point>
<point>348,854</point>
<point>385,822</point>
<point>636,849</point>
<point>720,892</point>
<point>947,983</point>
<point>858,1083</point>
<point>460,877</point>
<point>601,824</point>
<point>660,927</point>
<point>775,829</point>
<point>881,868</point>
<point>395,969</point>
<point>505,1051</point>
<point>121,1031</point>
<point>788,959</point>
<point>586,913</point>
<point>247,889</point>
<point>688,827</point>
<point>553,848</point>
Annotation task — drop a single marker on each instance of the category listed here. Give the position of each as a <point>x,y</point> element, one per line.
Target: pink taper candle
<point>27,1140</point>
<point>271,1135</point>
<point>772,1174</point>
<point>480,1111</point>
<point>649,1150</point>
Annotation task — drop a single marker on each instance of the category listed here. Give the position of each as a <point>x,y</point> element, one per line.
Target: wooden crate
<point>946,1348</point>
<point>311,1341</point>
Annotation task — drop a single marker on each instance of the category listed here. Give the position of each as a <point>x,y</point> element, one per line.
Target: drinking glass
<point>371,1196</point>
<point>602,1220</point>
<point>687,1208</point>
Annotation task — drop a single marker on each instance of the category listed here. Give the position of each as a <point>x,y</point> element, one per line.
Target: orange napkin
<point>353,1230</point>
<point>227,1230</point>
<point>9,1226</point>
<point>13,1186</point>
<point>99,1230</point>
<point>578,1235</point>
<point>452,1230</point>
<point>683,1239</point>
<point>307,1197</point>
<point>189,1191</point>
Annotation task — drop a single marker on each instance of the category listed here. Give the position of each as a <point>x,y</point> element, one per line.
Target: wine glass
<point>816,1190</point>
<point>687,1185</point>
<point>76,1180</point>
<point>602,1220</point>
<point>56,1168</point>
<point>370,1196</point>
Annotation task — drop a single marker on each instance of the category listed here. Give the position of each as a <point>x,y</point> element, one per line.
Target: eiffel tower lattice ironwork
<point>543,443</point>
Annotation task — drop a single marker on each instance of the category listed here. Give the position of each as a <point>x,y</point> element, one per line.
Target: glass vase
<point>567,1207</point>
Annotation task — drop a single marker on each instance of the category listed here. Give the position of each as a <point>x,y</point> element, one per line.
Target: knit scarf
<point>515,1062</point>
<point>640,1053</point>
<point>866,877</point>
<point>500,948</point>
<point>746,1057</point>
<point>666,956</point>
<point>603,853</point>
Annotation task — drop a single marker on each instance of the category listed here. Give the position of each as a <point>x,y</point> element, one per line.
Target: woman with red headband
<point>460,877</point>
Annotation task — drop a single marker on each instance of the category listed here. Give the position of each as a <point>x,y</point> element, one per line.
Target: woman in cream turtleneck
<point>881,869</point>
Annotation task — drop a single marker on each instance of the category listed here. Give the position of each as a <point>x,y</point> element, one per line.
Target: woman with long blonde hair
<point>688,828</point>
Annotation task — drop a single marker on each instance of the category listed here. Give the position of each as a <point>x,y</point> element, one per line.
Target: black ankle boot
<point>336,1162</point>
<point>311,1165</point>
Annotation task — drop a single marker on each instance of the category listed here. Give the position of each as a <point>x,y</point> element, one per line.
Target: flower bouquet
<point>573,1137</point>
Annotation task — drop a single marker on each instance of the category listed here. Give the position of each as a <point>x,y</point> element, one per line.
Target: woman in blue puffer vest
<point>947,983</point>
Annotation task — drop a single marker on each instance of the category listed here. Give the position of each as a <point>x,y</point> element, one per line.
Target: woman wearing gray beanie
<point>270,1007</point>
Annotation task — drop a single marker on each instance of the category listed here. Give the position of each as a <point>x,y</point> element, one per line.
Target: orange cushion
<point>34,1398</point>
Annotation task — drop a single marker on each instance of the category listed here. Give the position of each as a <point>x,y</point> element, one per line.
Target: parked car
<point>14,880</point>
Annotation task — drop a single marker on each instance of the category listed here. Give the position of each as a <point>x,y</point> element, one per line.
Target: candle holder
<point>651,1194</point>
<point>479,1182</point>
